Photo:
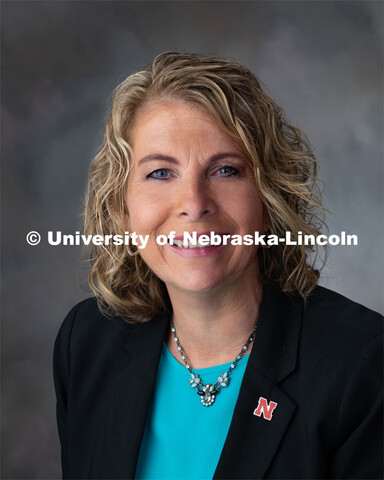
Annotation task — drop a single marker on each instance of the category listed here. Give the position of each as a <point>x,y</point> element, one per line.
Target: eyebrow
<point>168,158</point>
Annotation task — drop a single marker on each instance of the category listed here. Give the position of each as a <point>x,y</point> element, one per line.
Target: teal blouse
<point>182,438</point>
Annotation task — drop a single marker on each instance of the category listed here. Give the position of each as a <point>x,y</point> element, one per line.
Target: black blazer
<point>321,362</point>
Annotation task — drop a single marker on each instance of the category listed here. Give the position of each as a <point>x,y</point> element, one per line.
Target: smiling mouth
<point>198,241</point>
<point>189,245</point>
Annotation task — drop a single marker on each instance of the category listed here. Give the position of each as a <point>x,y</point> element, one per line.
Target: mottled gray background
<point>60,61</point>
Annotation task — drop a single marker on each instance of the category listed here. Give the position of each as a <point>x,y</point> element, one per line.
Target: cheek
<point>256,213</point>
<point>246,208</point>
<point>144,214</point>
<point>254,208</point>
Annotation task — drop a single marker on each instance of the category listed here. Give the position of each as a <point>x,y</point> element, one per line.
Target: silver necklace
<point>208,392</point>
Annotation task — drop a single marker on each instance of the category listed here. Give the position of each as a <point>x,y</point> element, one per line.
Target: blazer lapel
<point>252,440</point>
<point>130,398</point>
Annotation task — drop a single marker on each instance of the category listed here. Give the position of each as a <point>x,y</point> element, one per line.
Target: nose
<point>195,200</point>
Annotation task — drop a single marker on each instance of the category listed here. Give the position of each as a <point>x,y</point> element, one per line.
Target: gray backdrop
<point>60,61</point>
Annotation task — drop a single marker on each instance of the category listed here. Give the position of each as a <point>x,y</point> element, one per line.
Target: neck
<point>214,326</point>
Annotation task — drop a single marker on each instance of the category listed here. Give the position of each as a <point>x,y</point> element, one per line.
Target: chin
<point>196,283</point>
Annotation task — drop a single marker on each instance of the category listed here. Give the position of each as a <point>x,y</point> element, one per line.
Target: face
<point>189,175</point>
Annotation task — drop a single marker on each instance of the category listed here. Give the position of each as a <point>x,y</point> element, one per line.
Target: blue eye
<point>227,171</point>
<point>159,174</point>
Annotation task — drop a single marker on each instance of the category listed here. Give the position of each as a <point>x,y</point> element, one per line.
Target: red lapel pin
<point>265,409</point>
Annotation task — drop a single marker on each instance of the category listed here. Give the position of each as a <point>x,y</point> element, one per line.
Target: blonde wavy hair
<point>284,165</point>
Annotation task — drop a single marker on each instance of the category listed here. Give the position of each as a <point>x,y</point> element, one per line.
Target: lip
<point>196,252</point>
<point>198,235</point>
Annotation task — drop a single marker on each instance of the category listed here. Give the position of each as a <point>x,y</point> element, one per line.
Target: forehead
<point>178,123</point>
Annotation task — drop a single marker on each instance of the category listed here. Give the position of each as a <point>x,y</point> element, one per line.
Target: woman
<point>201,361</point>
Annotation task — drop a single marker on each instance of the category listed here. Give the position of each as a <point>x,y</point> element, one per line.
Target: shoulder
<point>338,316</point>
<point>86,332</point>
<point>339,334</point>
<point>87,317</point>
<point>326,325</point>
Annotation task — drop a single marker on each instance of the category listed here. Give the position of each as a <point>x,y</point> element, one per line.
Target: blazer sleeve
<point>359,431</point>
<point>61,375</point>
